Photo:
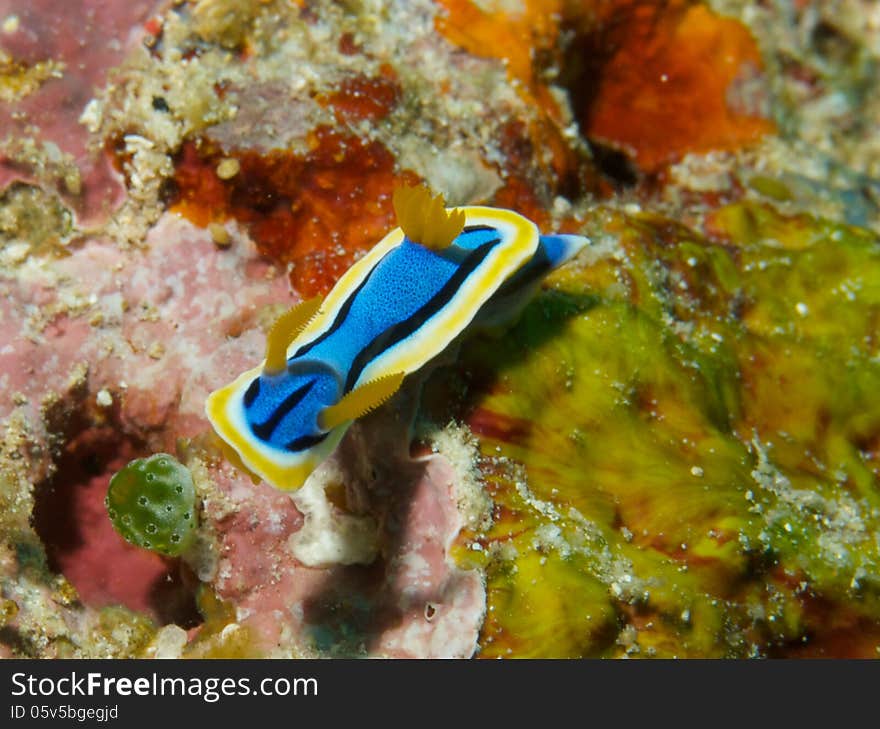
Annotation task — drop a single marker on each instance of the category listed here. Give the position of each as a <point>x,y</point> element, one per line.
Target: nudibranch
<point>330,362</point>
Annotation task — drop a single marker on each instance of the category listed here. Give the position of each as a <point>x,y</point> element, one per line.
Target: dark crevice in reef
<point>615,165</point>
<point>581,68</point>
<point>590,45</point>
<point>71,520</point>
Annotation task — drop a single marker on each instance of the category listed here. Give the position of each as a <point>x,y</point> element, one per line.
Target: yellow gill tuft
<point>424,219</point>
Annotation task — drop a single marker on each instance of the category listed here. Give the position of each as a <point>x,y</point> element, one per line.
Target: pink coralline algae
<point>112,318</point>
<point>80,372</point>
<point>41,137</point>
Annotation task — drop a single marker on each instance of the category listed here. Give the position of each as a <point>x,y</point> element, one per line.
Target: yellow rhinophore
<point>285,329</point>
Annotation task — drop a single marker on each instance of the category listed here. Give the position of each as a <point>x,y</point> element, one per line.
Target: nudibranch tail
<point>559,248</point>
<point>424,219</point>
<point>360,401</point>
<point>285,329</point>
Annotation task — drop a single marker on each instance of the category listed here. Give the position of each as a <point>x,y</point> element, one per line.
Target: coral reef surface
<point>672,452</point>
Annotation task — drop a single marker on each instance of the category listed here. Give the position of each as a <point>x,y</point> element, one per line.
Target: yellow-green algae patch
<point>681,441</point>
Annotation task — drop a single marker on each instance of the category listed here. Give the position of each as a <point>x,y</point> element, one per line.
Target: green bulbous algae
<point>151,503</point>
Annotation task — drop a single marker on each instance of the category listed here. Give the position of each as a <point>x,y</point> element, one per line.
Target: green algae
<point>681,442</point>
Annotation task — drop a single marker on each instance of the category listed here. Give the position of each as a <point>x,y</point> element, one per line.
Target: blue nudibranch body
<point>327,363</point>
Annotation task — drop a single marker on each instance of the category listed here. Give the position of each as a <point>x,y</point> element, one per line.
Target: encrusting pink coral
<point>43,140</point>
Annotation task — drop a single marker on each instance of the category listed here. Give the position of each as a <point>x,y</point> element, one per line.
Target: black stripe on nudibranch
<point>349,302</point>
<point>264,430</point>
<point>477,228</point>
<point>402,330</point>
<point>341,316</point>
<point>304,442</point>
<point>251,393</point>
